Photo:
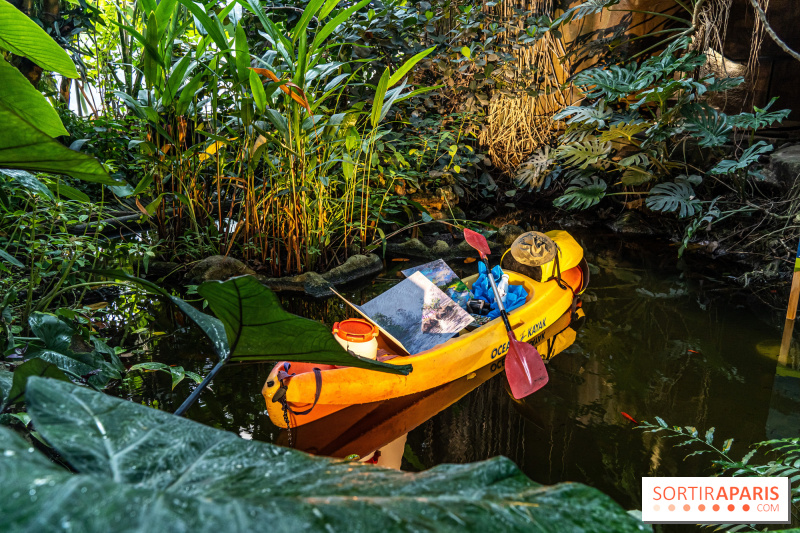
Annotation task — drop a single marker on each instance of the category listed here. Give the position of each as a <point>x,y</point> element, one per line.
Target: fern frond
<point>583,154</point>
<point>711,125</point>
<point>582,193</point>
<point>749,156</point>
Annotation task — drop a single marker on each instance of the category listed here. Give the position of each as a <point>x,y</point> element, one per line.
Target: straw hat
<point>533,249</point>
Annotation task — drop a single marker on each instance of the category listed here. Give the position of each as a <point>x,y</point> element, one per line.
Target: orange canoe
<point>458,357</point>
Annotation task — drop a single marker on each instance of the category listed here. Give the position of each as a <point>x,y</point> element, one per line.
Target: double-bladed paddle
<point>525,369</point>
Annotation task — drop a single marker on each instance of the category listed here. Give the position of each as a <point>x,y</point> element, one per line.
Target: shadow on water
<point>655,342</point>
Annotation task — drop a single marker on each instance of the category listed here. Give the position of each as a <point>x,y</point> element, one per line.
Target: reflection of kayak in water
<point>363,428</point>
<point>312,391</point>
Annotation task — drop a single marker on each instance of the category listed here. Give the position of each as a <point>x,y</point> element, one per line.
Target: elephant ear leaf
<point>23,37</point>
<point>259,329</point>
<point>141,467</point>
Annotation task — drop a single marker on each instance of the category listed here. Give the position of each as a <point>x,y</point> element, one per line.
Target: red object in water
<point>629,417</point>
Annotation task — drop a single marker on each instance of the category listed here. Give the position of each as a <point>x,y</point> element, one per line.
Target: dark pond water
<point>657,341</point>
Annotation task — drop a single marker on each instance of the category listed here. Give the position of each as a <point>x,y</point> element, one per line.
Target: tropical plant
<point>29,121</point>
<point>771,458</point>
<point>207,476</point>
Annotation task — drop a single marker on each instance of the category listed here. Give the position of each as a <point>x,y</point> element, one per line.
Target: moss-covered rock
<point>217,268</point>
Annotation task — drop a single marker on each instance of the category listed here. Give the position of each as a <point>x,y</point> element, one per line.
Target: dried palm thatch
<point>518,120</point>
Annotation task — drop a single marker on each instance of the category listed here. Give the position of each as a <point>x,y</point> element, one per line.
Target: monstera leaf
<point>668,197</point>
<point>139,469</point>
<point>583,154</point>
<point>583,193</point>
<point>708,124</point>
<point>749,156</point>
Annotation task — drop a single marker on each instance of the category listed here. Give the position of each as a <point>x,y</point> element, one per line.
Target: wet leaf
<point>710,436</point>
<point>32,367</point>
<point>137,467</point>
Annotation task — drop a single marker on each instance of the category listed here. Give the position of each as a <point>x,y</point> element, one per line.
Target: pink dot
<point>671,507</point>
<point>731,507</point>
<point>687,507</point>
<point>656,507</point>
<point>716,507</point>
<point>746,507</point>
<point>701,507</point>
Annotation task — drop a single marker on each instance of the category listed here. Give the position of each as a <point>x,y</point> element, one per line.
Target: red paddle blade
<point>524,369</point>
<point>477,241</point>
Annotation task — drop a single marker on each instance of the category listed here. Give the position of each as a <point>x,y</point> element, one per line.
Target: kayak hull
<point>340,387</point>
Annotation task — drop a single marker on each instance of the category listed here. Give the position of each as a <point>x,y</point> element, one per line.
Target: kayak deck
<point>458,357</point>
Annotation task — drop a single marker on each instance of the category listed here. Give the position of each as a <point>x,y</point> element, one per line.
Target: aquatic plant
<point>771,458</point>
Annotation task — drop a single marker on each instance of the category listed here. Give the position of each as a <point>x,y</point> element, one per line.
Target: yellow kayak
<point>310,395</point>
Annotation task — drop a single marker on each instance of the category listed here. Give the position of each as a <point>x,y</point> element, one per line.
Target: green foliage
<point>748,157</point>
<point>671,197</point>
<point>772,458</point>
<point>582,193</point>
<point>128,460</point>
<point>176,373</point>
<point>709,125</point>
<point>634,128</point>
<point>21,36</point>
<point>31,149</point>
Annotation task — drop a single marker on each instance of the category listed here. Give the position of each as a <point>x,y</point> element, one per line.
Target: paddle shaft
<point>187,403</point>
<point>497,298</point>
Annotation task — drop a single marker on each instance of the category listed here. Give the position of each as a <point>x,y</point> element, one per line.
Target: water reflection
<point>657,342</point>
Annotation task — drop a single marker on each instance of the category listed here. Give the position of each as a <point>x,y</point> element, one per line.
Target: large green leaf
<point>31,149</point>
<point>15,390</point>
<point>211,327</point>
<point>55,337</point>
<point>21,36</point>
<point>583,193</point>
<point>258,328</point>
<point>18,94</point>
<point>749,156</point>
<point>709,125</point>
<point>668,197</point>
<point>139,469</point>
